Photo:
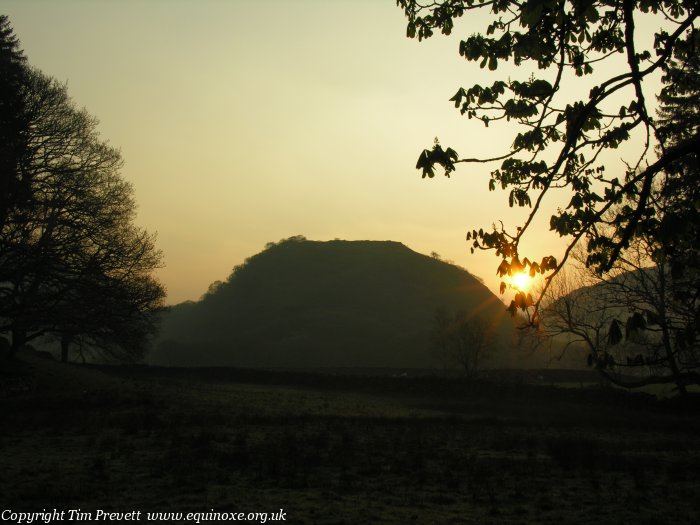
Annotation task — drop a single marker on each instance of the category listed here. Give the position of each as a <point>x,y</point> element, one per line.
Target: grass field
<point>335,449</point>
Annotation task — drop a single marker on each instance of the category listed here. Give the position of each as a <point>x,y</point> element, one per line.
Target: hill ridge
<point>302,303</point>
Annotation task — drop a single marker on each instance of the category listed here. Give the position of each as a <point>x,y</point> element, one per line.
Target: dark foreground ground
<point>331,449</point>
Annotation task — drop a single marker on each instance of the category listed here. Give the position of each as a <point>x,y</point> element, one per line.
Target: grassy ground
<point>334,449</point>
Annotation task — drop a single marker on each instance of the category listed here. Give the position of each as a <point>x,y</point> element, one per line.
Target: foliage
<point>13,122</point>
<point>561,140</point>
<point>72,263</point>
<point>653,288</point>
<point>677,198</point>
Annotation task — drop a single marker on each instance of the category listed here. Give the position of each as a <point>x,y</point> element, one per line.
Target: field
<point>342,449</point>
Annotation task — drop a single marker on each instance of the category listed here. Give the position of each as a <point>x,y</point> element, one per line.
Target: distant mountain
<point>310,304</point>
<point>591,308</point>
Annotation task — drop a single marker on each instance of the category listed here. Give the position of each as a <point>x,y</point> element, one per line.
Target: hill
<point>309,304</point>
<point>634,322</point>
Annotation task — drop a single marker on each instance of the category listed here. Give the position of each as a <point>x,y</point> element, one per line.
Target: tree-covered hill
<point>303,303</point>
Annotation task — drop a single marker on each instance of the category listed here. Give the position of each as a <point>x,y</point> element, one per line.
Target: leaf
<point>423,160</point>
<point>457,98</point>
<point>534,269</point>
<point>451,154</point>
<point>592,14</point>
<point>576,202</point>
<point>411,30</point>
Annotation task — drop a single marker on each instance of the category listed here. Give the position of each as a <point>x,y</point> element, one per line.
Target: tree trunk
<point>65,345</point>
<point>19,339</point>
<point>666,336</point>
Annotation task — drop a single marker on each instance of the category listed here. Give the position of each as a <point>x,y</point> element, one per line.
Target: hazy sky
<point>243,122</point>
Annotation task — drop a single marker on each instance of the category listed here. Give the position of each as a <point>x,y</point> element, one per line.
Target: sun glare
<point>521,281</point>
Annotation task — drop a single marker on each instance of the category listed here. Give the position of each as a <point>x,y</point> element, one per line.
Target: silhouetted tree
<point>13,121</point>
<point>676,228</point>
<point>561,138</point>
<point>122,318</point>
<point>640,320</point>
<point>462,340</point>
<point>72,263</point>
<point>630,321</point>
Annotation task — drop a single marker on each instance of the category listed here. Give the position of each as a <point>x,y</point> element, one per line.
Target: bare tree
<point>631,321</point>
<point>461,340</point>
<point>72,262</point>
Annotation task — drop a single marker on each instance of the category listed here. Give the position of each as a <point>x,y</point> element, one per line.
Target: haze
<point>247,122</point>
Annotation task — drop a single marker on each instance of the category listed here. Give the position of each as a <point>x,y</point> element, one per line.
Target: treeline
<point>73,266</point>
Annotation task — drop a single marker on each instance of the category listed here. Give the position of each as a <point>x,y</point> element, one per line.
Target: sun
<point>521,281</point>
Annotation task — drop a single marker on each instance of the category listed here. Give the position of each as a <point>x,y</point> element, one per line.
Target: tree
<point>115,280</point>
<point>631,321</point>
<point>72,262</point>
<point>561,140</point>
<point>653,289</point>
<point>121,321</point>
<point>676,200</point>
<point>13,121</point>
<point>461,340</point>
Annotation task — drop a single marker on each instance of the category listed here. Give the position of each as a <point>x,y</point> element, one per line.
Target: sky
<point>244,122</point>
